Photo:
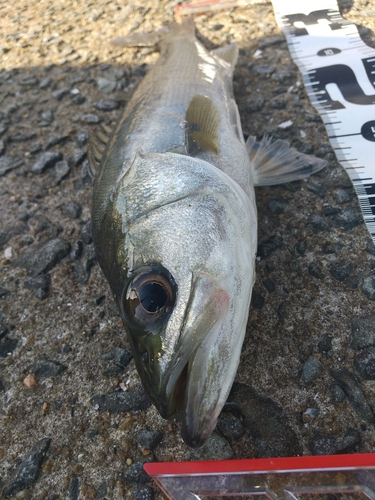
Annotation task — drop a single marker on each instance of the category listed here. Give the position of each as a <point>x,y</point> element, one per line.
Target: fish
<point>174,224</point>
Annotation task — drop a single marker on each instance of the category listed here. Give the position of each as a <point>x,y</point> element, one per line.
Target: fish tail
<point>185,28</point>
<point>156,38</point>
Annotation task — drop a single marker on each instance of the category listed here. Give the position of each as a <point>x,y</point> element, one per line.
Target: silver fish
<point>174,225</point>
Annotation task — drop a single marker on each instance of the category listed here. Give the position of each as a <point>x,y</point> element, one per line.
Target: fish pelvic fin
<point>228,53</point>
<point>202,123</point>
<point>97,145</point>
<point>276,162</point>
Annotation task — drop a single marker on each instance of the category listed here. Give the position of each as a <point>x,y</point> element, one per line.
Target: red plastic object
<point>348,476</point>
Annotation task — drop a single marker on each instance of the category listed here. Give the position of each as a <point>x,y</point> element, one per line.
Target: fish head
<point>187,252</point>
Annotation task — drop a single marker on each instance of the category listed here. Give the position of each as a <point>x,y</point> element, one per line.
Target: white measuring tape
<point>338,69</point>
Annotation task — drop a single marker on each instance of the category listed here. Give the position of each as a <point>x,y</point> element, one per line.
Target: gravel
<point>60,78</point>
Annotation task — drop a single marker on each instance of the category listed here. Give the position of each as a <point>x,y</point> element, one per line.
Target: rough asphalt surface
<point>74,420</point>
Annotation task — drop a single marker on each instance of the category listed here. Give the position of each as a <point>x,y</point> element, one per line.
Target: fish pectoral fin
<point>228,53</point>
<point>98,143</point>
<point>277,162</point>
<point>202,123</point>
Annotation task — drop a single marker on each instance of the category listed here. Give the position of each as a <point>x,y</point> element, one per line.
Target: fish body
<point>175,225</point>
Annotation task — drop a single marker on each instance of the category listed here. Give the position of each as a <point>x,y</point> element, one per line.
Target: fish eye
<point>149,296</point>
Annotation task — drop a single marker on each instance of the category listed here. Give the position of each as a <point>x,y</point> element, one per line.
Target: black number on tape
<point>329,51</point>
<point>343,76</point>
<point>368,130</point>
<point>330,15</point>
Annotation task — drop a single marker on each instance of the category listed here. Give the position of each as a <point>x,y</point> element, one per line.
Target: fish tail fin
<point>154,38</point>
<point>277,162</point>
<point>185,28</point>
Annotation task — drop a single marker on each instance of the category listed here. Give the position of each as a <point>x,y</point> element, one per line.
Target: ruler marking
<point>348,116</point>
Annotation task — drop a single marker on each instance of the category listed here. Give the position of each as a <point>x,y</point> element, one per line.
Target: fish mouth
<point>189,384</point>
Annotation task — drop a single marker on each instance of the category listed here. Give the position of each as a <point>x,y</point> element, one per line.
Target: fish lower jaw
<point>197,428</point>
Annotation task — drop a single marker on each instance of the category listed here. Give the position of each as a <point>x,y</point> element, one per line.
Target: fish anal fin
<point>97,145</point>
<point>228,53</point>
<point>202,123</point>
<point>276,162</point>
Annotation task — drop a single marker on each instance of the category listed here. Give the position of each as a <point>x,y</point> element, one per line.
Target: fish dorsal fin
<point>98,143</point>
<point>276,162</point>
<point>228,53</point>
<point>202,123</point>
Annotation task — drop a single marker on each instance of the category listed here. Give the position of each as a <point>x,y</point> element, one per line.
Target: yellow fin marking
<point>202,123</point>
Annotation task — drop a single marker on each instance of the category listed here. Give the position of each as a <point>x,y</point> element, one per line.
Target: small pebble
<point>143,493</point>
<point>215,448</point>
<point>61,93</point>
<point>277,206</point>
<point>325,344</point>
<point>8,163</point>
<point>55,140</point>
<point>364,363</point>
<point>30,382</point>
<point>43,257</point>
<point>317,223</point>
<point>348,218</point>
<point>316,270</point>
<point>257,301</point>
<point>47,160</point>
<point>311,370</point>
<point>368,287</point>
<point>316,187</point>
<point>85,233</point>
<point>106,86</point>
<point>301,247</point>
<point>119,402</point>
<point>77,158</point>
<point>268,246</point>
<point>309,415</point>
<point>84,177</point>
<point>48,368</point>
<point>84,265</point>
<point>341,196</point>
<point>60,171</point>
<point>338,395</point>
<point>149,440</point>
<point>78,99</point>
<point>71,210</point>
<point>253,105</point>
<point>123,357</point>
<point>340,269</point>
<point>29,470</point>
<point>230,426</point>
<point>263,69</point>
<point>353,392</point>
<point>363,332</point>
<point>135,474</point>
<point>329,210</point>
<point>278,103</point>
<point>281,76</point>
<point>82,137</point>
<point>269,285</point>
<point>76,251</point>
<point>90,118</point>
<point>106,105</point>
<point>7,346</point>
